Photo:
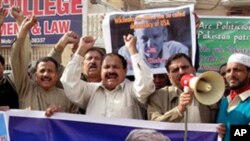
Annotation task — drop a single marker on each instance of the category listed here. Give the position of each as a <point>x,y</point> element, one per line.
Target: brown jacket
<point>162,106</point>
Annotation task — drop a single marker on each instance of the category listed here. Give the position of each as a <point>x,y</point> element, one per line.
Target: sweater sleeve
<point>143,85</point>
<point>20,59</point>
<point>76,90</point>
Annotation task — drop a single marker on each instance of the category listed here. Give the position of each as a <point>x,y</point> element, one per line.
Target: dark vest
<point>8,94</point>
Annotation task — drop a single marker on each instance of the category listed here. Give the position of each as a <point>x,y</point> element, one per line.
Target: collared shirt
<point>235,93</point>
<point>235,112</point>
<point>31,95</point>
<point>162,106</point>
<point>237,98</point>
<point>124,101</point>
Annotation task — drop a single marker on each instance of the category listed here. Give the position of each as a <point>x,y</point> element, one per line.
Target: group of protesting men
<point>103,90</point>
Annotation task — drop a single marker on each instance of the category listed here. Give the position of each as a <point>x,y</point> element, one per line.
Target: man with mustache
<point>69,37</point>
<point>40,94</point>
<point>56,52</point>
<point>114,96</point>
<point>234,108</point>
<point>161,80</point>
<point>169,103</point>
<point>92,59</point>
<point>92,65</point>
<point>153,42</point>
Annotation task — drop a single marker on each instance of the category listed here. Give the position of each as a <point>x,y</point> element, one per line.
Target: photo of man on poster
<point>153,41</point>
<point>159,32</point>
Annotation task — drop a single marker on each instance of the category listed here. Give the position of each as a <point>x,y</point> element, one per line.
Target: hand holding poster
<point>160,33</point>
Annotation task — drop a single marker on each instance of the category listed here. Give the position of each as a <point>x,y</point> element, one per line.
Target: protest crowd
<point>95,82</point>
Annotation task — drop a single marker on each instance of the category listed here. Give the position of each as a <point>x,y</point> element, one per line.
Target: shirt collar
<point>3,79</point>
<point>242,93</point>
<point>119,86</point>
<point>238,98</point>
<point>243,96</point>
<point>174,92</point>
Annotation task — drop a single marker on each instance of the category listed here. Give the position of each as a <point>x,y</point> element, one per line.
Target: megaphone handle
<point>185,89</point>
<point>186,125</point>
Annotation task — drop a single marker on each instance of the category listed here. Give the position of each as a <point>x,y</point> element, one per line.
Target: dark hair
<point>177,56</point>
<point>101,51</point>
<point>124,62</point>
<point>2,60</point>
<point>47,59</point>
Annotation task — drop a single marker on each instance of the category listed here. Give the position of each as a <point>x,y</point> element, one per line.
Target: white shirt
<point>194,112</point>
<point>124,101</point>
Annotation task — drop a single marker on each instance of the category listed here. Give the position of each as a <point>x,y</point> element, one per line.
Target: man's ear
<point>34,76</point>
<point>169,78</point>
<point>194,70</point>
<point>57,75</point>
<point>168,75</point>
<point>126,70</point>
<point>248,74</point>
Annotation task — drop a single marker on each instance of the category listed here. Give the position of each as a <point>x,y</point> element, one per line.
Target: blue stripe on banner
<point>3,128</point>
<point>48,129</point>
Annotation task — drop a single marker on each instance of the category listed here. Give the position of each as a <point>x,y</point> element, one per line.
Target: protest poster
<point>221,36</point>
<point>34,125</point>
<point>160,33</point>
<point>54,19</point>
<point>4,135</point>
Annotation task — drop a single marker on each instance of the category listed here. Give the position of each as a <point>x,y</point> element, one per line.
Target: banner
<point>160,33</point>
<point>219,37</point>
<point>4,136</point>
<point>33,125</point>
<point>55,17</point>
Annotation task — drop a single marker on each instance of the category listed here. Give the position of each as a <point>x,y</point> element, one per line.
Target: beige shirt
<point>124,101</point>
<point>31,95</point>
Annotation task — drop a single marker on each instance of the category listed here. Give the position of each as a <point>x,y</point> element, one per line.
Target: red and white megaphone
<point>208,88</point>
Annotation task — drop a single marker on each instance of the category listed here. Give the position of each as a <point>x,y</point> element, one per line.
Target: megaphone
<point>208,88</point>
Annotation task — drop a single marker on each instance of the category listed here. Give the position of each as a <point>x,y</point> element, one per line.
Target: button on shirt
<point>125,101</point>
